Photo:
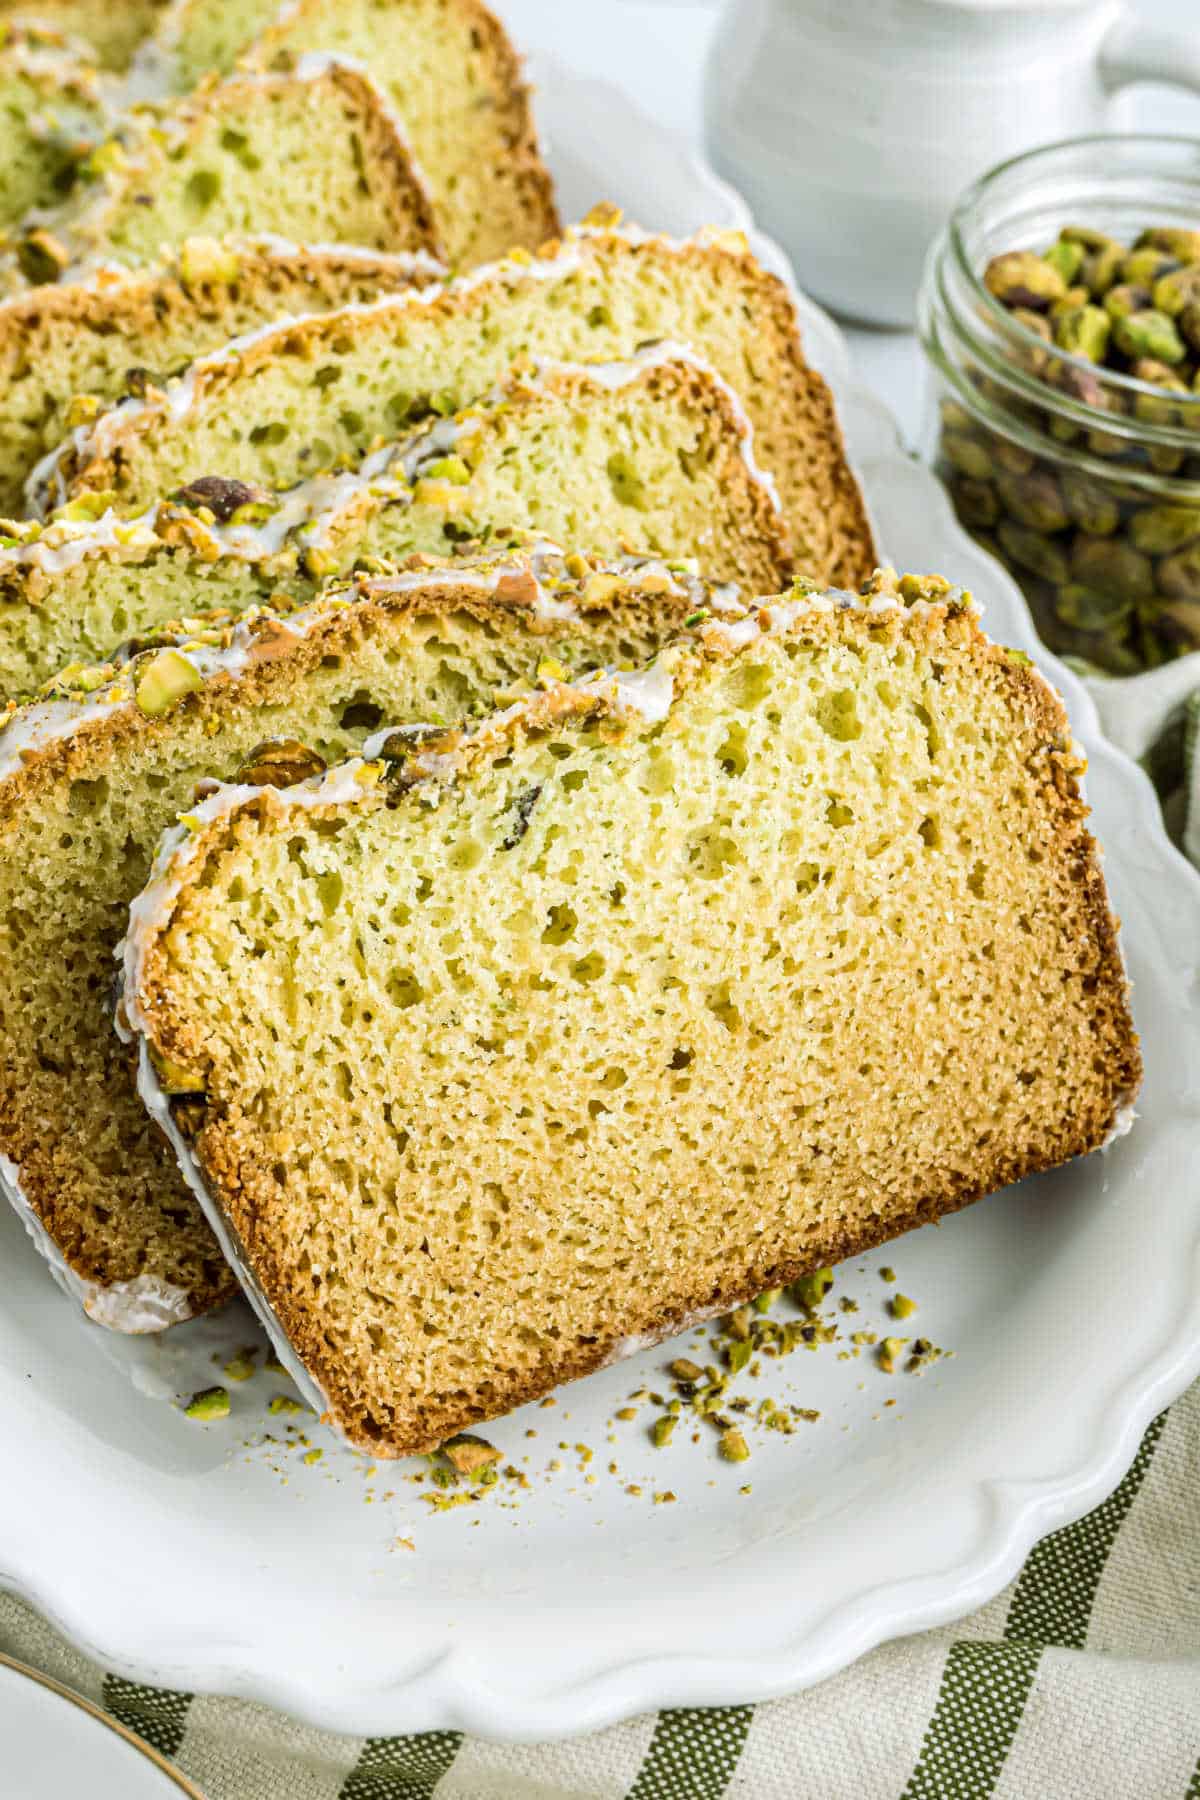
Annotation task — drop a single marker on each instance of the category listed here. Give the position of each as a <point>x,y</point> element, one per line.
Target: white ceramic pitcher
<point>852,125</point>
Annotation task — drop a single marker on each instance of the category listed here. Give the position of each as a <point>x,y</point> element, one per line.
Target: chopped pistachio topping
<point>469,1455</point>
<point>209,1403</point>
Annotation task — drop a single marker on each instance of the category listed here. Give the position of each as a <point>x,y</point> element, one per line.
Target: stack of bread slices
<point>443,649</point>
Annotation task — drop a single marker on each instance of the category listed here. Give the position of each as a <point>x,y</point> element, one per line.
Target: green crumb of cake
<point>469,1455</point>
<point>1017,656</point>
<point>887,1273</point>
<point>902,1306</point>
<point>738,1354</point>
<point>810,1290</point>
<point>209,1403</point>
<point>312,1456</point>
<point>165,679</point>
<point>661,1430</point>
<point>733,1446</point>
<point>766,1300</point>
<point>240,1367</point>
<point>889,1353</point>
<point>284,1403</point>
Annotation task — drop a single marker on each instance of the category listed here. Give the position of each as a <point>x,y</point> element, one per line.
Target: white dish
<point>175,1554</point>
<point>50,1736</point>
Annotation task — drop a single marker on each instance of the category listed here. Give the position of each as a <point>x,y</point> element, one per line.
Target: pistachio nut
<point>1120,302</point>
<point>1034,500</point>
<point>280,763</point>
<point>1161,530</point>
<point>1178,624</point>
<point>1090,504</point>
<point>967,455</point>
<point>1102,270</point>
<point>1142,268</point>
<point>165,679</point>
<point>1083,331</point>
<point>1173,239</point>
<point>1174,291</point>
<point>1033,357</point>
<point>1086,610</point>
<point>954,417</point>
<point>1149,333</point>
<point>1023,278</point>
<point>1109,566</point>
<point>1012,457</point>
<point>1179,575</point>
<point>975,502</point>
<point>1165,461</point>
<point>222,495</point>
<point>1074,296</point>
<point>1030,550</point>
<point>1090,238</point>
<point>1067,256</point>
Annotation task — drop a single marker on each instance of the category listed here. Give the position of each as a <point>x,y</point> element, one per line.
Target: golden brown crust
<point>229,1152</point>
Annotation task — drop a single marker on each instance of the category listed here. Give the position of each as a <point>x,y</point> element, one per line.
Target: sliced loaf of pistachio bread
<point>52,116</point>
<point>90,777</point>
<point>447,66</point>
<point>67,351</point>
<point>652,456</point>
<point>492,1052</point>
<point>111,30</point>
<point>316,155</point>
<point>324,388</point>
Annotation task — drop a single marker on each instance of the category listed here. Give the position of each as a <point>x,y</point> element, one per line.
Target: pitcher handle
<point>1133,51</point>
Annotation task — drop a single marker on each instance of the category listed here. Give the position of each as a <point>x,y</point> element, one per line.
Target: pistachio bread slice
<point>495,1051</point>
<point>68,351</point>
<point>270,408</point>
<point>446,65</point>
<point>316,155</point>
<point>653,455</point>
<point>52,115</point>
<point>92,774</point>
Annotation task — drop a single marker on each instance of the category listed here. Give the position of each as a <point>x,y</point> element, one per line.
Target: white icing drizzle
<point>158,1106</point>
<point>145,1304</point>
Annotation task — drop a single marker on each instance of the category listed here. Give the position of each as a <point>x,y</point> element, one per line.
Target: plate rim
<point>96,1712</point>
<point>447,1692</point>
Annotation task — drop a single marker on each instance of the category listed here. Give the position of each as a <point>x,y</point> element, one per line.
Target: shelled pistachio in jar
<point>1101,528</point>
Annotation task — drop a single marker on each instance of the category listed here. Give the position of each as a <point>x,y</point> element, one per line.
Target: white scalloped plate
<point>198,1557</point>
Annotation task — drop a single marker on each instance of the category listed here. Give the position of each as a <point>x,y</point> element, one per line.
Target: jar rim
<point>1008,326</point>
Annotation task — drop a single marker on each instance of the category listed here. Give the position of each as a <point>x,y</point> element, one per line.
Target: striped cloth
<point>1081,1681</point>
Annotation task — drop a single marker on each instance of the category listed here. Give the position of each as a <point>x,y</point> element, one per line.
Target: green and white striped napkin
<point>1081,1681</point>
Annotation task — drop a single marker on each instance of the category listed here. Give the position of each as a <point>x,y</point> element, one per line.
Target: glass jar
<point>1083,480</point>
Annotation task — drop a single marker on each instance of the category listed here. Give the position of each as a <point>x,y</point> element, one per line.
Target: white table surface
<point>656,49</point>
